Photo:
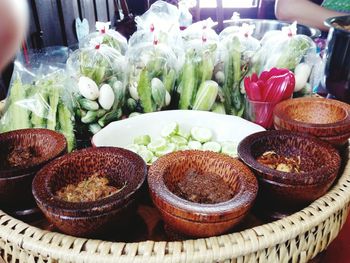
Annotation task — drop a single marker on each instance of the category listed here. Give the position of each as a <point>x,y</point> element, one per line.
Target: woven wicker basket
<point>296,238</point>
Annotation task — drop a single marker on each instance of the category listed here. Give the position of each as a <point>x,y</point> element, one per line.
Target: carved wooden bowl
<point>315,116</point>
<point>120,166</point>
<point>16,180</point>
<point>319,165</point>
<point>198,219</point>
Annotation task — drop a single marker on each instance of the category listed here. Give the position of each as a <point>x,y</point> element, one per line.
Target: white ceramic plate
<point>224,127</point>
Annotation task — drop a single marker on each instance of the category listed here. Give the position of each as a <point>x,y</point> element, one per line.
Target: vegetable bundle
<point>39,103</point>
<point>153,69</point>
<point>100,74</point>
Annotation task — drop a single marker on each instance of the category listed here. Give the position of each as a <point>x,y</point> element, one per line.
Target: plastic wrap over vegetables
<point>99,93</point>
<point>201,30</point>
<point>107,37</point>
<point>236,52</point>
<point>40,97</point>
<point>100,63</point>
<point>159,25</point>
<point>153,70</point>
<point>282,49</point>
<point>196,88</point>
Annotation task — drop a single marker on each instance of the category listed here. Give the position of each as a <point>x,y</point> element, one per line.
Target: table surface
<point>339,250</point>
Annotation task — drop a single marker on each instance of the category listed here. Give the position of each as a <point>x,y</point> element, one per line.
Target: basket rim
<point>61,246</point>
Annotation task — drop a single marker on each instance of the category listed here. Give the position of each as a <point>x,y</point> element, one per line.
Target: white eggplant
<point>106,98</point>
<point>88,88</point>
<point>302,72</point>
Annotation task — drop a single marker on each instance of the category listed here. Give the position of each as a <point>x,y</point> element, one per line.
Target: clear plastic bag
<point>282,49</point>
<point>39,95</point>
<point>99,75</point>
<point>153,70</point>
<point>201,30</point>
<point>100,63</point>
<point>107,37</point>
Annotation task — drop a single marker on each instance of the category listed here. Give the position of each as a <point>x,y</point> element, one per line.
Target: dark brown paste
<point>90,189</point>
<point>280,163</point>
<point>203,188</point>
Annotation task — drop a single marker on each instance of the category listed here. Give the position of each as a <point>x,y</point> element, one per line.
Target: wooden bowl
<point>120,166</point>
<point>15,181</point>
<point>196,219</point>
<point>320,163</point>
<point>315,116</point>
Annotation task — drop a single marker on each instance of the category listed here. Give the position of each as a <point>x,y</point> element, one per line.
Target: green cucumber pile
<point>39,105</point>
<point>97,106</point>
<point>174,137</point>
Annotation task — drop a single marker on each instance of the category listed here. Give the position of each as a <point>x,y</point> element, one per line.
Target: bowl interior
<point>25,150</point>
<point>124,170</point>
<point>203,176</point>
<point>319,112</point>
<point>317,159</point>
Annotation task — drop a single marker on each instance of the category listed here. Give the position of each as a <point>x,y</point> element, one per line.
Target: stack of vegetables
<point>153,69</point>
<point>100,74</point>
<point>40,102</point>
<point>237,49</point>
<point>196,88</point>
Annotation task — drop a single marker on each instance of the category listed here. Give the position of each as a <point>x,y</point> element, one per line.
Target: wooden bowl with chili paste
<point>327,119</point>
<point>201,193</point>
<point>90,191</point>
<point>293,168</point>
<point>23,153</point>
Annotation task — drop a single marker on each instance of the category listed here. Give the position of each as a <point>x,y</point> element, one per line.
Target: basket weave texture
<point>296,238</point>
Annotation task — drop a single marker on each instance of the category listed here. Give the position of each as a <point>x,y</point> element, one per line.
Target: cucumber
<point>142,140</point>
<point>211,146</point>
<point>194,145</point>
<point>146,155</point>
<point>109,117</point>
<point>87,104</point>
<point>169,129</point>
<point>157,145</point>
<point>133,147</point>
<point>178,140</point>
<point>170,147</point>
<point>94,128</point>
<point>90,117</point>
<point>229,148</point>
<point>201,134</point>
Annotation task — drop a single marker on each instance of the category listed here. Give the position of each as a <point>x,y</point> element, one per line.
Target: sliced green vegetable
<point>146,155</point>
<point>142,140</point>
<point>211,146</point>
<point>229,148</point>
<point>169,129</point>
<point>194,145</point>
<point>133,147</point>
<point>157,145</point>
<point>170,147</point>
<point>178,140</point>
<point>201,134</point>
<point>66,125</point>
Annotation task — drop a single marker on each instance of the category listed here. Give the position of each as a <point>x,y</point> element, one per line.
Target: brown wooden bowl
<point>195,219</point>
<point>316,116</point>
<point>87,219</point>
<point>16,181</point>
<point>320,163</point>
